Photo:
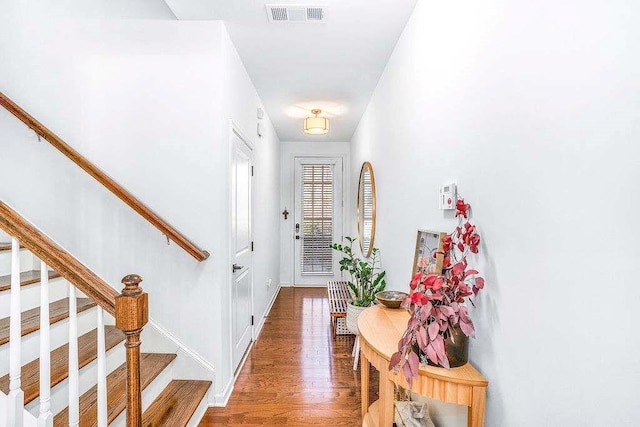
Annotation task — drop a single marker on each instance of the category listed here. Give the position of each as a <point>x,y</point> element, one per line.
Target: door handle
<point>236,267</point>
<point>297,228</point>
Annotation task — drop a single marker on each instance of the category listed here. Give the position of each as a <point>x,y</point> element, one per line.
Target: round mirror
<point>366,209</point>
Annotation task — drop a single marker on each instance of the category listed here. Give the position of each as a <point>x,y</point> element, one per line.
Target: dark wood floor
<point>297,374</point>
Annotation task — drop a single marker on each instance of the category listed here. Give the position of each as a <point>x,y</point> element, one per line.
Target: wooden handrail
<point>58,259</point>
<point>103,179</point>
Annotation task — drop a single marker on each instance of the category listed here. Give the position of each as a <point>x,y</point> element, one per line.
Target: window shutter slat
<point>317,219</point>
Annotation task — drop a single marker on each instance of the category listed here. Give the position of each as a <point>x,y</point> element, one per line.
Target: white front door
<point>242,274</point>
<point>318,219</point>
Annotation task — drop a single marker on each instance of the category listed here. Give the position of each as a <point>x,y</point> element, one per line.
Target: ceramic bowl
<point>391,299</point>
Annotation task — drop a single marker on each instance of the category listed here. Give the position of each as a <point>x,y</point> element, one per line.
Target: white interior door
<point>318,219</point>
<point>242,273</point>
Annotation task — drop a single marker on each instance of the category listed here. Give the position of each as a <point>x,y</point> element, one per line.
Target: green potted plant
<point>367,279</point>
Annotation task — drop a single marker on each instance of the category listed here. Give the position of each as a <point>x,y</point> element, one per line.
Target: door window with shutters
<point>318,219</point>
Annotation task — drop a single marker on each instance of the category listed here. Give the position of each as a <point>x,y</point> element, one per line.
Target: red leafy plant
<point>437,303</point>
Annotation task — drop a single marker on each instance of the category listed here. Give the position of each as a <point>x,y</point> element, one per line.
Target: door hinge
<point>251,170</point>
<point>252,246</point>
<point>252,320</point>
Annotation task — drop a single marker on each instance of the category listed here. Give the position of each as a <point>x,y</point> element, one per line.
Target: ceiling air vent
<point>278,13</point>
<point>295,13</point>
<point>314,14</point>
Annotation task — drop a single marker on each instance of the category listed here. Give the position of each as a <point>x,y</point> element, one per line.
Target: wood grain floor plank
<point>297,373</point>
<point>151,364</point>
<point>175,406</point>
<point>26,278</point>
<point>87,353</point>
<point>58,310</point>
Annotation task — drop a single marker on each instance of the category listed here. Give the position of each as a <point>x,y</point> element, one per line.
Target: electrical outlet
<point>269,282</point>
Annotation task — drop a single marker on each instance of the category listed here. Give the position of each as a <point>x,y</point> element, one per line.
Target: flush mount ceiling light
<point>316,125</point>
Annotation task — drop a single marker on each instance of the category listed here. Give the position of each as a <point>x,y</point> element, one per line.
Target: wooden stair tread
<point>176,404</point>
<point>87,353</point>
<point>151,364</point>
<point>26,278</point>
<point>58,310</point>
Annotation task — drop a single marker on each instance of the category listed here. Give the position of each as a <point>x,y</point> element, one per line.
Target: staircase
<point>76,394</point>
<point>70,343</point>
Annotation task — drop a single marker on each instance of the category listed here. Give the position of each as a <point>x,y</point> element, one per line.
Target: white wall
<point>100,9</point>
<point>146,100</point>
<point>288,152</point>
<point>240,107</point>
<point>532,109</point>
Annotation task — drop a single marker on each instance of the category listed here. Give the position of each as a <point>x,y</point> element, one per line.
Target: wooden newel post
<point>132,313</point>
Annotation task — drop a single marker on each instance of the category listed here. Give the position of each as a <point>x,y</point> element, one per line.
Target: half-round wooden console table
<point>380,330</point>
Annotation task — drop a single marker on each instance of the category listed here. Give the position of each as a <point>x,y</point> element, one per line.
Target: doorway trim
<point>346,200</point>
<point>235,130</point>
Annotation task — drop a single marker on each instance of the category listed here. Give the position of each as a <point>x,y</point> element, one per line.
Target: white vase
<point>353,312</point>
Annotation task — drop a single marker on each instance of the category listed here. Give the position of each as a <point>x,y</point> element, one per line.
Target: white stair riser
<point>198,413</point>
<point>149,394</point>
<point>59,336</point>
<point>88,378</point>
<point>30,296</point>
<point>27,262</point>
<point>115,357</point>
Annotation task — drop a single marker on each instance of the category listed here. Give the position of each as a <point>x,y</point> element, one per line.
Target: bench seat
<point>339,296</point>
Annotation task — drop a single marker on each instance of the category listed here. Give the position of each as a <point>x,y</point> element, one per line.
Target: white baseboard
<point>189,365</point>
<point>186,350</point>
<point>205,370</point>
<point>221,399</point>
<point>263,318</point>
<point>292,285</point>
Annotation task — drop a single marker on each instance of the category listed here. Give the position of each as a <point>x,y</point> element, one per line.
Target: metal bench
<point>339,295</point>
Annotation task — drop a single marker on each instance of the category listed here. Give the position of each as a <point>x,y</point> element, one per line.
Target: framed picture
<point>429,254</point>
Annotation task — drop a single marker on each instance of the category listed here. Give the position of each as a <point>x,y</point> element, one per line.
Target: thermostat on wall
<point>448,197</point>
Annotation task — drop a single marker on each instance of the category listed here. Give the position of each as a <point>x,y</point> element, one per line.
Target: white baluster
<point>46,417</point>
<point>74,391</point>
<point>102,372</point>
<point>16,395</point>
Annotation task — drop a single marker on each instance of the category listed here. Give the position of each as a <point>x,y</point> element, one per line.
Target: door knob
<point>236,267</point>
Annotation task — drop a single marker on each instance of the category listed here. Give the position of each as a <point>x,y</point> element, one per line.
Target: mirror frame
<point>366,166</point>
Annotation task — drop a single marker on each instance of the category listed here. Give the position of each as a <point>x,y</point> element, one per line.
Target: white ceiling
<point>295,67</point>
